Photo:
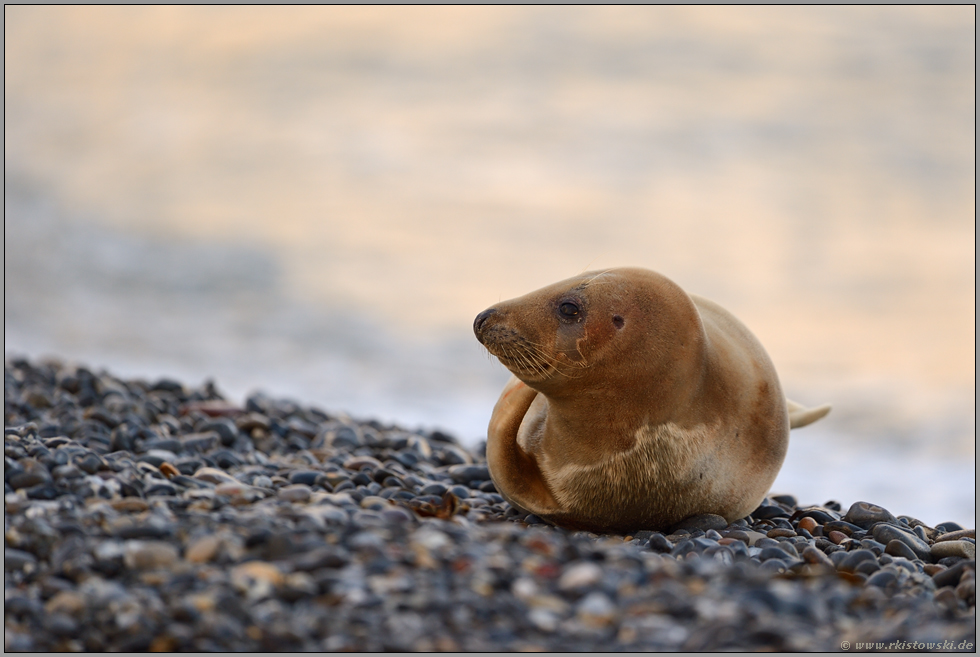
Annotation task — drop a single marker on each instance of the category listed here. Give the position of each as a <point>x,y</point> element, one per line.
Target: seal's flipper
<point>800,415</point>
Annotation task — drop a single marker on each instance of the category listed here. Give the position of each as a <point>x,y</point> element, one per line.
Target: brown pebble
<point>214,476</point>
<point>931,569</point>
<point>854,578</point>
<point>807,523</point>
<point>212,408</point>
<point>129,505</point>
<point>957,535</point>
<point>361,462</point>
<point>964,549</point>
<point>779,532</point>
<point>814,556</point>
<point>203,602</point>
<point>252,421</point>
<point>163,643</point>
<point>168,470</point>
<point>727,541</point>
<point>203,549</point>
<point>947,597</point>
<point>336,478</point>
<point>231,488</point>
<point>65,602</point>
<point>836,537</point>
<point>257,579</point>
<point>967,591</point>
<point>147,555</point>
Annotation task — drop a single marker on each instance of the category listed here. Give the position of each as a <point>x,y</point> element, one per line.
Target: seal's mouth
<point>532,363</point>
<point>524,365</point>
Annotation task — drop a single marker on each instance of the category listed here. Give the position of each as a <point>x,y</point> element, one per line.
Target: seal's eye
<point>568,309</point>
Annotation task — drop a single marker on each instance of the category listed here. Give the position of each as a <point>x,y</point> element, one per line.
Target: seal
<point>633,405</point>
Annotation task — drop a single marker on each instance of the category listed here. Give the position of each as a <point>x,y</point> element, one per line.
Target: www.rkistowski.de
<point>909,645</point>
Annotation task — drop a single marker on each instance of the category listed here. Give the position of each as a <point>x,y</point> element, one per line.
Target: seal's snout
<point>480,320</point>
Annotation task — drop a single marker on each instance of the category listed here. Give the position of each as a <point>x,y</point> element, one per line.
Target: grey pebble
<point>463,474</point>
<point>851,560</point>
<point>17,559</point>
<point>898,548</point>
<point>772,553</point>
<point>704,522</point>
<point>31,474</point>
<point>865,514</point>
<point>883,579</point>
<point>951,576</point>
<point>886,533</point>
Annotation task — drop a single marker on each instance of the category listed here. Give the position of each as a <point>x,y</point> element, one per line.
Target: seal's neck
<point>587,431</point>
<point>595,422</point>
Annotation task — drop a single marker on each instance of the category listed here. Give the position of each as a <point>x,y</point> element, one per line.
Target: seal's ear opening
<point>618,321</point>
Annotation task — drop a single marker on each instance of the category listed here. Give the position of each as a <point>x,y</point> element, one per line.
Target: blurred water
<point>317,201</point>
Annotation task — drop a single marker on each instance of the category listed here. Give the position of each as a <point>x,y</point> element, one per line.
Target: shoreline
<point>148,515</point>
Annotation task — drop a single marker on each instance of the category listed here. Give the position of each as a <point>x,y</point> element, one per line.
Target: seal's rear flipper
<point>800,415</point>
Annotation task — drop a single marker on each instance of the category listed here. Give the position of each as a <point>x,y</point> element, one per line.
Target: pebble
<point>779,532</point>
<point>865,514</point>
<point>807,523</point>
<point>14,559</point>
<point>964,549</point>
<point>307,477</point>
<point>256,579</point>
<point>148,555</point>
<point>463,474</point>
<point>957,535</point>
<point>31,474</point>
<point>704,522</point>
<point>596,610</point>
<point>214,476</point>
<point>295,493</point>
<point>65,602</point>
<point>898,548</point>
<point>767,511</point>
<point>580,575</point>
<point>816,557</point>
<point>952,576</point>
<point>203,549</point>
<point>158,516</point>
<point>361,462</point>
<point>886,533</point>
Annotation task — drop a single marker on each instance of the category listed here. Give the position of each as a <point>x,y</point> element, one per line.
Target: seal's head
<point>618,329</point>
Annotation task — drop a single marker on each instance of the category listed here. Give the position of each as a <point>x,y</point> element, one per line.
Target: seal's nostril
<point>481,318</point>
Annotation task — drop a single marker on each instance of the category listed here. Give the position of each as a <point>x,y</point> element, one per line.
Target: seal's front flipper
<point>800,415</point>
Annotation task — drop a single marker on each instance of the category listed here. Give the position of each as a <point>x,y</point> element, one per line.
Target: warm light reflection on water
<point>319,200</point>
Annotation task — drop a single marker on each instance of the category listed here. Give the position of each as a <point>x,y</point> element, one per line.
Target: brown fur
<point>645,407</point>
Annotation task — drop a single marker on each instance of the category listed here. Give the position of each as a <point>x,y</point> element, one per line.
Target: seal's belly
<point>655,483</point>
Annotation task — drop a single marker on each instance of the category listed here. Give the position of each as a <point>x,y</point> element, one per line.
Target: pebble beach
<point>151,515</point>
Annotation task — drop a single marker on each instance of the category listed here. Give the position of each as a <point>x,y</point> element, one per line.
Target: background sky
<point>316,201</point>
